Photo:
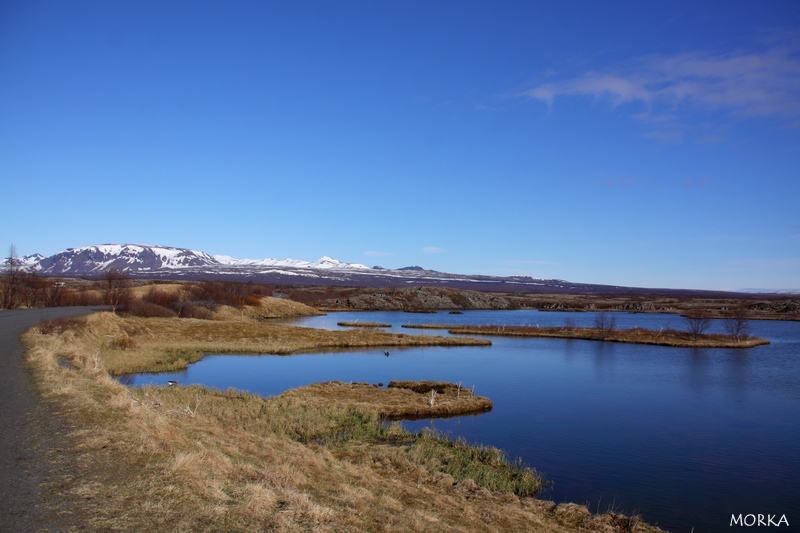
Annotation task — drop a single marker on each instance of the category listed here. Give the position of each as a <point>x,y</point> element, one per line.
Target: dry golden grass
<point>196,459</point>
<point>401,400</point>
<point>678,339</point>
<point>270,308</point>
<point>139,291</point>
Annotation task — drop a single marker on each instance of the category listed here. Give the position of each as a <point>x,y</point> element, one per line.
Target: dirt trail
<point>30,440</point>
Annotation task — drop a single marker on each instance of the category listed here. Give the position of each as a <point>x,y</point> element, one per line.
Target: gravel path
<point>29,439</point>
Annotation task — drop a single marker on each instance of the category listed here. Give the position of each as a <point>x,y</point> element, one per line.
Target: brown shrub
<point>195,311</point>
<point>253,301</point>
<point>161,297</point>
<point>149,310</point>
<point>83,297</point>
<point>240,301</point>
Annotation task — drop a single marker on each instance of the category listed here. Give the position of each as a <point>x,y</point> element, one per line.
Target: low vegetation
<point>357,324</point>
<point>400,400</point>
<point>197,459</point>
<point>664,337</point>
<point>19,288</point>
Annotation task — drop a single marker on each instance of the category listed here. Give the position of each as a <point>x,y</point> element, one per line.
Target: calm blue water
<point>685,437</point>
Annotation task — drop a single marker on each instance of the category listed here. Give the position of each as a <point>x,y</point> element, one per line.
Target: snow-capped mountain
<point>139,258</point>
<point>89,260</point>
<point>30,260</point>
<point>168,263</point>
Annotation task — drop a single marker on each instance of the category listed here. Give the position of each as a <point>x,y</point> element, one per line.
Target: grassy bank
<point>666,337</point>
<point>196,459</point>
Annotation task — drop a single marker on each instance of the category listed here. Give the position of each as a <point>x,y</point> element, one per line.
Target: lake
<point>683,437</point>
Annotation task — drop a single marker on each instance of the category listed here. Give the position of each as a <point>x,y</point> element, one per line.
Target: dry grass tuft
<point>268,307</point>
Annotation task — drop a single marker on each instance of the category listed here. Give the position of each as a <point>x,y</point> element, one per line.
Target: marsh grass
<point>666,337</point>
<point>399,401</point>
<point>487,466</point>
<point>199,459</point>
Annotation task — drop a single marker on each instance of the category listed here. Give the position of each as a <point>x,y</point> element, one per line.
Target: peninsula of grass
<point>199,459</point>
<point>401,400</point>
<point>665,337</point>
<point>135,344</point>
<point>356,324</point>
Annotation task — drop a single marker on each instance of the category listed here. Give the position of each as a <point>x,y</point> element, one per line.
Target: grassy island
<point>356,324</point>
<point>400,400</point>
<point>665,337</point>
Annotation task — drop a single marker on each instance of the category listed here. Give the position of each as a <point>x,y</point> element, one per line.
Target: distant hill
<point>169,263</point>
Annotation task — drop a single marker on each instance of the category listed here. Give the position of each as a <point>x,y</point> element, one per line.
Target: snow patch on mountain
<point>323,262</point>
<point>95,259</point>
<point>127,257</point>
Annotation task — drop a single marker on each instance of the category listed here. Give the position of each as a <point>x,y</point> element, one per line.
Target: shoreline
<point>667,337</point>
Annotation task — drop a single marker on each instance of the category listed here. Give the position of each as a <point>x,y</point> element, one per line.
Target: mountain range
<point>170,263</point>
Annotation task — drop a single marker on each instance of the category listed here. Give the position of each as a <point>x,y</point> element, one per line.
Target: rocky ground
<point>421,299</point>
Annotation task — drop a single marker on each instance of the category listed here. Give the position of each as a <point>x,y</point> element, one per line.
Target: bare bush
<point>737,323</point>
<point>55,294</point>
<point>10,281</point>
<point>116,290</point>
<point>32,290</point>
<point>697,322</point>
<point>605,324</point>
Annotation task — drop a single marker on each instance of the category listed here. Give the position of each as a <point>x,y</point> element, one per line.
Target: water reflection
<point>699,369</point>
<point>603,356</point>
<point>736,374</point>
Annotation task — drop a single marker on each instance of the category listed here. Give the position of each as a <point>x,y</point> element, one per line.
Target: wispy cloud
<point>762,83</point>
<point>433,250</point>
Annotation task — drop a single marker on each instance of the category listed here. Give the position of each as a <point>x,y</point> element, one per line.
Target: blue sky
<point>651,144</point>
